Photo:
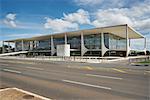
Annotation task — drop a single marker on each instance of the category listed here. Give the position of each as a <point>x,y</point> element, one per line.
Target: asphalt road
<point>77,81</point>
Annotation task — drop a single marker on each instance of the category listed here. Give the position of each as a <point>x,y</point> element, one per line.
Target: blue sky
<point>27,18</point>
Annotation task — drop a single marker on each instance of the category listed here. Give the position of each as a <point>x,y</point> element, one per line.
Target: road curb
<point>26,92</point>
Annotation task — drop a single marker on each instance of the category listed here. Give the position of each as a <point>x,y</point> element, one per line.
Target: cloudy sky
<point>27,18</point>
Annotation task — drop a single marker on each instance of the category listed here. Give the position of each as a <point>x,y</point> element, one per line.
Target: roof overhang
<point>119,30</point>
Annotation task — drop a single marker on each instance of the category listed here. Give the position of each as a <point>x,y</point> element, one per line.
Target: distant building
<point>103,41</point>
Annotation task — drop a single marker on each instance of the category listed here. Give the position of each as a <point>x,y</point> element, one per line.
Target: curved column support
<point>83,48</point>
<point>22,45</point>
<point>145,45</point>
<point>103,47</point>
<point>65,38</point>
<point>9,48</point>
<point>15,46</point>
<point>128,51</point>
<point>52,47</point>
<point>3,48</point>
<point>127,41</point>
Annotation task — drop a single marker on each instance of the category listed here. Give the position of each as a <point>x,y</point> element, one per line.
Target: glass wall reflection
<point>114,42</point>
<point>43,44</point>
<point>92,41</point>
<point>75,42</point>
<point>58,41</point>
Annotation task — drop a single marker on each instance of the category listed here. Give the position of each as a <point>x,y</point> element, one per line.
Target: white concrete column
<point>9,47</point>
<point>52,46</point>
<point>3,48</point>
<point>103,48</point>
<point>83,48</point>
<point>127,41</point>
<point>31,45</point>
<point>65,38</point>
<point>145,45</point>
<point>15,46</point>
<point>22,45</point>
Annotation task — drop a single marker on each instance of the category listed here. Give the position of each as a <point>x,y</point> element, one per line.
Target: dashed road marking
<point>86,84</point>
<point>101,76</point>
<point>118,70</point>
<point>35,68</point>
<point>4,64</point>
<point>12,71</point>
<point>147,72</point>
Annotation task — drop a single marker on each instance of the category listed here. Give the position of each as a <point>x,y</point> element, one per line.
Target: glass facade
<point>43,44</point>
<point>75,42</point>
<point>106,40</point>
<point>114,42</point>
<point>19,46</point>
<point>58,41</point>
<point>26,45</point>
<point>92,41</point>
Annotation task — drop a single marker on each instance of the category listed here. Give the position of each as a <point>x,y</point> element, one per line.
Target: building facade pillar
<point>83,48</point>
<point>3,47</point>
<point>145,45</point>
<point>103,47</point>
<point>22,42</point>
<point>52,46</point>
<point>65,38</point>
<point>9,48</point>
<point>15,46</point>
<point>127,41</point>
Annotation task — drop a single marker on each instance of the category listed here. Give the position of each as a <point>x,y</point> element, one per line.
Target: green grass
<point>145,62</point>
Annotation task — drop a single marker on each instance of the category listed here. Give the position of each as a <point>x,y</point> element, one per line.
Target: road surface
<point>77,81</point>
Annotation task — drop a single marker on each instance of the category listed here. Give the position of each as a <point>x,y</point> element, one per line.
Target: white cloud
<point>81,17</point>
<point>110,17</point>
<point>59,25</point>
<point>68,21</point>
<point>143,25</point>
<point>137,16</point>
<point>10,23</point>
<point>10,20</point>
<point>11,16</point>
<point>101,3</point>
<point>88,2</point>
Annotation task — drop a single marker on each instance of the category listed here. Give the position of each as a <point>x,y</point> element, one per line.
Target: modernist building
<point>103,41</point>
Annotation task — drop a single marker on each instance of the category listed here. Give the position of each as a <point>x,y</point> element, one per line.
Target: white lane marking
<point>38,96</point>
<point>101,76</point>
<point>35,68</point>
<point>4,64</point>
<point>147,71</point>
<point>13,71</point>
<point>86,84</point>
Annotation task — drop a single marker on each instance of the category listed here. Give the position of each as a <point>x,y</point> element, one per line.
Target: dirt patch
<point>16,94</point>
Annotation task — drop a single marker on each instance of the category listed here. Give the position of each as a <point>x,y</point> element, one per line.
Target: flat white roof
<point>119,30</point>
